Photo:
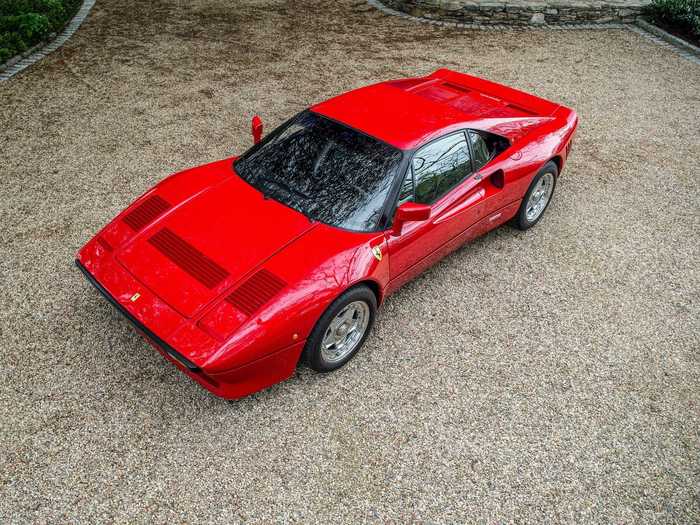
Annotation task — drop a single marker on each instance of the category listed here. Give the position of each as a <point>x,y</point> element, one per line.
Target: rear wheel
<point>538,197</point>
<point>342,329</point>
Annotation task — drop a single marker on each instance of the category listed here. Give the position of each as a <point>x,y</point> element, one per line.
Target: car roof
<point>407,113</point>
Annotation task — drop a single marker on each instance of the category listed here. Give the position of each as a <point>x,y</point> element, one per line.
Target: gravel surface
<point>551,375</point>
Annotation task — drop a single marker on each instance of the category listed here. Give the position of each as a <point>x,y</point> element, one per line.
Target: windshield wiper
<point>286,187</point>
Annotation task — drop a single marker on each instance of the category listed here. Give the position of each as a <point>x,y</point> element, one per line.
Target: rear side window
<point>485,146</point>
<point>439,167</point>
<point>479,149</point>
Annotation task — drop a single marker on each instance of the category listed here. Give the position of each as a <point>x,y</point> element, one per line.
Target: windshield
<point>327,171</point>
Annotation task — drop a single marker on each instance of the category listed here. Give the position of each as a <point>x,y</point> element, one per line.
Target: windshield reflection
<point>327,171</point>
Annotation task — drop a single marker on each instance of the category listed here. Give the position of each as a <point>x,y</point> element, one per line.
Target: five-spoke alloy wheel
<point>341,330</point>
<point>345,331</point>
<point>538,197</point>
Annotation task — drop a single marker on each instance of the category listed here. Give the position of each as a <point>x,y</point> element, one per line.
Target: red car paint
<point>228,285</point>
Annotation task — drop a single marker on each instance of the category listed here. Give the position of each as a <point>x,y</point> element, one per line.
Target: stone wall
<point>521,12</point>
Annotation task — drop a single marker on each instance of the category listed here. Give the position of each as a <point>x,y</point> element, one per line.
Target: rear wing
<point>515,98</point>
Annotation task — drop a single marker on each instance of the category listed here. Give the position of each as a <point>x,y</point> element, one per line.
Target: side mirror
<point>409,212</point>
<point>256,129</point>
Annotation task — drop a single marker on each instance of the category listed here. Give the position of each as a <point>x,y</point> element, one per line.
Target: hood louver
<point>189,258</point>
<point>146,212</point>
<point>255,292</point>
<point>104,243</point>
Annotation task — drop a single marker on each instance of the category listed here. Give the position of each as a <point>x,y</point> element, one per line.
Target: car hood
<point>200,248</point>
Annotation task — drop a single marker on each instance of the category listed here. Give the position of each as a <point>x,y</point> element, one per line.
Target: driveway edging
<point>51,46</point>
<point>641,28</point>
<point>523,12</point>
<point>668,37</point>
<point>377,4</point>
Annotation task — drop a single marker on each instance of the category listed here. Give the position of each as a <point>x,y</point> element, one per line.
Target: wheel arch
<point>373,285</point>
<point>557,159</point>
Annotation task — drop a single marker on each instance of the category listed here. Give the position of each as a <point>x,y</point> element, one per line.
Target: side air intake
<point>256,291</point>
<point>145,212</point>
<point>189,258</point>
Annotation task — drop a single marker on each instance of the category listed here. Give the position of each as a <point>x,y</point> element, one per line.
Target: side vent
<point>498,179</point>
<point>256,291</point>
<point>145,212</point>
<point>189,258</point>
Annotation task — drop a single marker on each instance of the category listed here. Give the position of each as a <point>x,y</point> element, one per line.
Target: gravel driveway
<point>546,375</point>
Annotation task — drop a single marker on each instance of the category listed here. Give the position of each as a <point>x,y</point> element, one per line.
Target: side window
<point>480,150</point>
<point>440,166</point>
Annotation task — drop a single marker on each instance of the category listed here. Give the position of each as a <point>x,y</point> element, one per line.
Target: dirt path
<point>547,375</point>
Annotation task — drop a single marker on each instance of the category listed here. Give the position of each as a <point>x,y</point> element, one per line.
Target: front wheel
<point>537,198</point>
<point>341,330</point>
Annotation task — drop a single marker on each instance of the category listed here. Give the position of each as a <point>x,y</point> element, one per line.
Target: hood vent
<point>146,212</point>
<point>189,258</point>
<point>103,243</point>
<point>256,291</point>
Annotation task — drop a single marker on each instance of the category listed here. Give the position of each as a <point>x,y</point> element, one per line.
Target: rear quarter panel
<point>528,154</point>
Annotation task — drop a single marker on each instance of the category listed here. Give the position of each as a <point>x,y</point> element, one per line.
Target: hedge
<point>24,23</point>
<point>681,17</point>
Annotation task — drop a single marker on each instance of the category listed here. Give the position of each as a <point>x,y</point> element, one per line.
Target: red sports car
<point>237,269</point>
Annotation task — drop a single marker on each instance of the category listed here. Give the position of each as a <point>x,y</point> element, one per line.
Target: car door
<point>439,175</point>
<point>483,151</point>
<point>505,179</point>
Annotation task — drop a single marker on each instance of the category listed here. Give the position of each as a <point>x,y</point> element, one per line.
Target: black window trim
<point>387,217</point>
<point>393,202</point>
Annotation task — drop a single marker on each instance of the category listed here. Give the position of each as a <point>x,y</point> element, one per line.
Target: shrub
<point>10,45</point>
<point>678,16</point>
<point>30,27</point>
<point>24,23</point>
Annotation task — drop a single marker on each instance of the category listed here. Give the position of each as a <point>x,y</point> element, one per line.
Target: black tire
<point>312,354</point>
<point>521,221</point>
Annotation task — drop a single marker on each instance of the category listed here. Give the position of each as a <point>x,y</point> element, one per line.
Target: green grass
<point>24,23</point>
<point>681,17</point>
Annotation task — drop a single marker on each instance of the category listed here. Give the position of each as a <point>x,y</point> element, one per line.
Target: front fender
<point>317,268</point>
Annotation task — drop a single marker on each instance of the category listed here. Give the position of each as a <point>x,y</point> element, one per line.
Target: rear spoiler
<point>513,97</point>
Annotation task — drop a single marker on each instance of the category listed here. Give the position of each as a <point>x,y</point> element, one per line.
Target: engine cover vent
<point>145,212</point>
<point>189,258</point>
<point>256,291</point>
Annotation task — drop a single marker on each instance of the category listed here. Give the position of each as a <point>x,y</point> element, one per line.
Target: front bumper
<point>234,384</point>
<point>162,345</point>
